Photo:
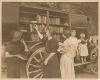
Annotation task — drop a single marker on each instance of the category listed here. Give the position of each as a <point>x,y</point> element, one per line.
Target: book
<point>38,19</point>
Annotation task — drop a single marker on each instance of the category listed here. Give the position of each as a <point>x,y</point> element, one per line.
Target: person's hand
<point>26,50</point>
<point>46,62</point>
<point>36,27</point>
<point>7,54</point>
<point>60,44</point>
<point>22,40</point>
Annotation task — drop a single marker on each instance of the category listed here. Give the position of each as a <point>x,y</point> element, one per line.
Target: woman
<point>63,36</point>
<point>15,56</point>
<point>52,67</point>
<point>67,58</point>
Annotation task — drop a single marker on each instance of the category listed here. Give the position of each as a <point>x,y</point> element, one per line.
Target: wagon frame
<point>39,52</point>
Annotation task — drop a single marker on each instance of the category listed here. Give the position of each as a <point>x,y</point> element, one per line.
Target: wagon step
<point>79,64</point>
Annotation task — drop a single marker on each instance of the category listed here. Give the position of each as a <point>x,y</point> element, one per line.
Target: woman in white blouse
<point>67,58</point>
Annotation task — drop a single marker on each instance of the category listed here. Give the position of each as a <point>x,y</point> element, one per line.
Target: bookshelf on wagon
<point>55,20</point>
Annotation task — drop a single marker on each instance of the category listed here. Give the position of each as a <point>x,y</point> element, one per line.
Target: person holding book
<point>52,64</point>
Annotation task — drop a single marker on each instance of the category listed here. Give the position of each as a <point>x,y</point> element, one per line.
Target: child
<point>83,50</point>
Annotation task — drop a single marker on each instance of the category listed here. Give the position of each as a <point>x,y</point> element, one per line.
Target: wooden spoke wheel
<point>91,68</point>
<point>35,64</point>
<point>94,68</point>
<point>93,55</point>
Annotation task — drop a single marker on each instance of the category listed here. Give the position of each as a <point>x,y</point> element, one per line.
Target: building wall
<point>10,19</point>
<point>88,9</point>
<point>10,13</point>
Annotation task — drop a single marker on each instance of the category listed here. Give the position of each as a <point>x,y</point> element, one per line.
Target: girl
<point>52,67</point>
<point>83,50</point>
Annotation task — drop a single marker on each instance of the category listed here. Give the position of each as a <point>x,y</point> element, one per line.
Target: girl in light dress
<point>68,50</point>
<point>83,50</point>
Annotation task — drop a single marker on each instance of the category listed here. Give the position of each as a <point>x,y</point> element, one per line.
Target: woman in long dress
<point>67,58</point>
<point>52,64</point>
<point>15,56</point>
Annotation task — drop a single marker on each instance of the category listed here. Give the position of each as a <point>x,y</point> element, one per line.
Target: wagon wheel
<point>88,68</point>
<point>35,64</point>
<point>93,54</point>
<point>94,69</point>
<point>91,68</point>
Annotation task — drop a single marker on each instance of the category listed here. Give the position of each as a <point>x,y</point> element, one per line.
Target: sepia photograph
<point>49,40</point>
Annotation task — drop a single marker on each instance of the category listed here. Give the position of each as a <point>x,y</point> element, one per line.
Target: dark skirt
<point>52,69</point>
<point>16,68</point>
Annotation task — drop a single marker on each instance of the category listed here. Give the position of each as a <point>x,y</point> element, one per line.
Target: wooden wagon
<point>35,63</point>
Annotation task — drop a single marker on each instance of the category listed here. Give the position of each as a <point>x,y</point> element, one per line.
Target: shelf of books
<point>30,16</point>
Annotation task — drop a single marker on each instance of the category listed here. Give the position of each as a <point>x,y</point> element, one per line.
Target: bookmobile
<point>25,17</point>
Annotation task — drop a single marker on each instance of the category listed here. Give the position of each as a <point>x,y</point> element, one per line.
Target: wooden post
<point>69,22</point>
<point>47,22</point>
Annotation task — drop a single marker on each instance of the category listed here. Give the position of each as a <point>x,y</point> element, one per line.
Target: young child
<point>83,50</point>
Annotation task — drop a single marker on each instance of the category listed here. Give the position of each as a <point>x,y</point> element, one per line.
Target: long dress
<point>67,59</point>
<point>16,66</point>
<point>52,69</point>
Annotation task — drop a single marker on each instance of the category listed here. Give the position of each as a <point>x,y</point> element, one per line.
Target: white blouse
<point>70,46</point>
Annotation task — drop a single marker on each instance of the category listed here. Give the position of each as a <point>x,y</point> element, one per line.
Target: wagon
<point>35,66</point>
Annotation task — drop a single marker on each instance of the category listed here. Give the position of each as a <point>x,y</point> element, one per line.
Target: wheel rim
<point>93,55</point>
<point>35,64</point>
<point>94,69</point>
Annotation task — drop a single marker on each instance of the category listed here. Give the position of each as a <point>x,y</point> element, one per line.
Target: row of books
<point>41,28</point>
<point>41,19</point>
<point>55,21</point>
<point>56,29</point>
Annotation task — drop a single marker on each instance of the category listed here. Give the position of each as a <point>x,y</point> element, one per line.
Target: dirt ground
<point>82,75</point>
